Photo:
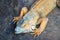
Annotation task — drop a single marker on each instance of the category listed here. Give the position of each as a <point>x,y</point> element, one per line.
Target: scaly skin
<point>43,7</point>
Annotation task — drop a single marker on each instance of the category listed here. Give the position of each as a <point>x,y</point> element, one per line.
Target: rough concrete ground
<point>52,31</point>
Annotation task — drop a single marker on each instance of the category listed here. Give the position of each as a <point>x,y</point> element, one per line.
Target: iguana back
<point>43,6</point>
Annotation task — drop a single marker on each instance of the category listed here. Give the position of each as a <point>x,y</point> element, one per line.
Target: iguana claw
<point>15,19</point>
<point>36,33</point>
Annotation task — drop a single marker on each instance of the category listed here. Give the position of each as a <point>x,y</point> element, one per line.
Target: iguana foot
<point>41,28</point>
<point>15,19</point>
<point>36,32</point>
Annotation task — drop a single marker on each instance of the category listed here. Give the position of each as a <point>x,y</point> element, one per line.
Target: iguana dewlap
<point>29,20</point>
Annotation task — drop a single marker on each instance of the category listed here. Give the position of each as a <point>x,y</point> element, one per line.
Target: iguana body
<point>38,11</point>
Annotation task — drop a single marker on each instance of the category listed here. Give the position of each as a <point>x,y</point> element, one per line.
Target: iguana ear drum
<point>58,3</point>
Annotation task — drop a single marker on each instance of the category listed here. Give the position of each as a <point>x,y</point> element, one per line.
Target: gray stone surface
<point>7,12</point>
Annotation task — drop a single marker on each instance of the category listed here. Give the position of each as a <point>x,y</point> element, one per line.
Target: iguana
<point>28,20</point>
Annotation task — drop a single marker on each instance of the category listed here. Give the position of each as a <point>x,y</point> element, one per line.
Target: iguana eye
<point>33,27</point>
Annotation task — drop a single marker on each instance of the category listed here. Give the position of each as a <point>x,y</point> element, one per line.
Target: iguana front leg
<point>41,28</point>
<point>23,11</point>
